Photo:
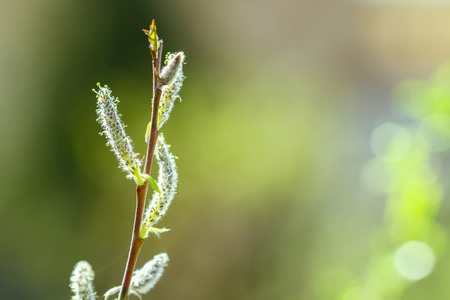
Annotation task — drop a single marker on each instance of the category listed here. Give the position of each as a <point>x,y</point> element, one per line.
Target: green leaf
<point>153,37</point>
<point>152,183</point>
<point>147,132</point>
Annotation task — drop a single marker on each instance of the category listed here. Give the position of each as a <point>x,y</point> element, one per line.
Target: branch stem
<point>141,191</point>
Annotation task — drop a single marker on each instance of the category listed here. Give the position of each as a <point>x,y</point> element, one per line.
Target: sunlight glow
<point>414,260</point>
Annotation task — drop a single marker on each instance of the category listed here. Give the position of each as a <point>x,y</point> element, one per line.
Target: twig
<point>141,191</point>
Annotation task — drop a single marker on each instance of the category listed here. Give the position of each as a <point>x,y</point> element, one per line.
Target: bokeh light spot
<point>414,260</point>
<point>390,142</point>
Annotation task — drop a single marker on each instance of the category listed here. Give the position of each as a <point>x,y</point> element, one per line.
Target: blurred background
<point>312,141</point>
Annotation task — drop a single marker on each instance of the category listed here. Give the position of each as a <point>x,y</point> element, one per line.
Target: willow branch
<point>141,191</point>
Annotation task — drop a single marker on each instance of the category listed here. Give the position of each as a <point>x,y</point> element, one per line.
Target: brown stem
<point>141,191</point>
<point>136,241</point>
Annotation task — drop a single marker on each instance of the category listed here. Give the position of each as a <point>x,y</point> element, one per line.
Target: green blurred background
<point>305,163</point>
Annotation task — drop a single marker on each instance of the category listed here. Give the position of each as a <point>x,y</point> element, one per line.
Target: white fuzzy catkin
<point>173,75</point>
<point>114,131</point>
<point>167,182</point>
<point>171,70</point>
<point>81,281</point>
<point>144,279</point>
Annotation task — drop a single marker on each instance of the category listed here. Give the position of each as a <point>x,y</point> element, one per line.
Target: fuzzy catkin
<point>167,182</point>
<point>144,279</point>
<point>114,131</point>
<point>172,69</point>
<point>81,281</point>
<point>170,92</point>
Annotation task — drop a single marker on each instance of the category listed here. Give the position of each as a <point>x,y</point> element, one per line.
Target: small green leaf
<point>147,132</point>
<point>153,37</point>
<point>152,183</point>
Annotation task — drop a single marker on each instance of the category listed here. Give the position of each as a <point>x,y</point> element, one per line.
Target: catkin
<point>114,131</point>
<point>167,182</point>
<point>170,91</point>
<point>81,281</point>
<point>144,279</point>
